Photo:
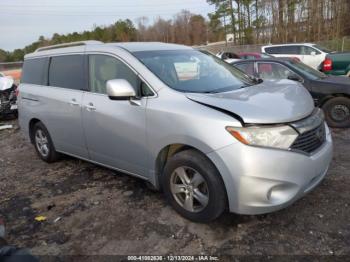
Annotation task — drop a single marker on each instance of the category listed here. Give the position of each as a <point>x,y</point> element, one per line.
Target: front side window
<point>67,72</point>
<point>307,50</point>
<point>103,68</point>
<point>273,71</point>
<point>34,71</point>
<point>247,68</point>
<point>193,71</point>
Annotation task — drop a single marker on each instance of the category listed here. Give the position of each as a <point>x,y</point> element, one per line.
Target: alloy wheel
<point>189,189</point>
<point>42,143</point>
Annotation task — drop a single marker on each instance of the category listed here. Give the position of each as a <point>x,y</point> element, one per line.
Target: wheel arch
<point>31,125</point>
<point>166,153</point>
<point>329,97</point>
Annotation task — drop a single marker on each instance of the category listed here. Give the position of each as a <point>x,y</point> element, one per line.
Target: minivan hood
<point>270,102</point>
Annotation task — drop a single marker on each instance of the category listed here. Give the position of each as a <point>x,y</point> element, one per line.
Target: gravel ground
<point>94,211</point>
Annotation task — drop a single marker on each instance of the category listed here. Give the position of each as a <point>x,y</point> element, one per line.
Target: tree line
<point>281,21</point>
<point>245,21</point>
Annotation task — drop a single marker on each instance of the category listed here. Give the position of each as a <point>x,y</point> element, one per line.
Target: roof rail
<point>90,42</point>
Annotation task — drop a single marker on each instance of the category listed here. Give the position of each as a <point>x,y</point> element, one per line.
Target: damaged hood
<point>270,102</point>
<point>6,83</point>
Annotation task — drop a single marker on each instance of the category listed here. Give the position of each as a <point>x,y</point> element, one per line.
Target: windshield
<point>323,49</point>
<point>193,71</point>
<point>306,70</point>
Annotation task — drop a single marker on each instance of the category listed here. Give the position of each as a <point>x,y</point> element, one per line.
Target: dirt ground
<point>101,212</point>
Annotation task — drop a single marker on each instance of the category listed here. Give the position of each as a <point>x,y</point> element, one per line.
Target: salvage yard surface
<point>89,210</point>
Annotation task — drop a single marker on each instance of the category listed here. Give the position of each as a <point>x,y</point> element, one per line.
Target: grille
<point>310,140</point>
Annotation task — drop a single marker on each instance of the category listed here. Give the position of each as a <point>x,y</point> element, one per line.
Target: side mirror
<point>313,53</point>
<point>295,77</point>
<point>120,89</point>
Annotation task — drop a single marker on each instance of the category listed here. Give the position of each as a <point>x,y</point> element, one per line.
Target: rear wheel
<point>43,143</point>
<point>194,187</point>
<point>337,112</point>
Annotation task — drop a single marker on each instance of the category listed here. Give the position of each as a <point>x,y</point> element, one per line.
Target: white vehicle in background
<point>8,99</point>
<point>311,54</point>
<point>228,57</point>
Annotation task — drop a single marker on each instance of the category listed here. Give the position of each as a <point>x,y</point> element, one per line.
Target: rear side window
<point>273,50</point>
<point>34,71</point>
<point>67,72</point>
<point>273,71</point>
<point>283,50</point>
<point>291,50</point>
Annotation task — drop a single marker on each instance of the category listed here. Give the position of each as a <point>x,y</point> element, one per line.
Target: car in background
<point>228,57</point>
<point>310,54</point>
<point>336,64</point>
<point>331,93</point>
<point>254,55</point>
<point>8,98</point>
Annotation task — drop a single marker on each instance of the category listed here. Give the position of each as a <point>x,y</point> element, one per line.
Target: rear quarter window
<point>67,72</point>
<point>34,71</point>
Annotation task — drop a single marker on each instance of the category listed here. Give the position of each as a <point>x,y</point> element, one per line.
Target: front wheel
<point>43,143</point>
<point>337,112</point>
<point>194,187</point>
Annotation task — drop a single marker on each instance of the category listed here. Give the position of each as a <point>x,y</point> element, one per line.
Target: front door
<point>115,129</point>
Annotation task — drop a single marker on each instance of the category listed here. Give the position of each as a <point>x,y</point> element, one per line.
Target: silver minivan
<point>205,133</point>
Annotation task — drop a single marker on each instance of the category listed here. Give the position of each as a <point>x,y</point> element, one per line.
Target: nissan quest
<point>206,134</point>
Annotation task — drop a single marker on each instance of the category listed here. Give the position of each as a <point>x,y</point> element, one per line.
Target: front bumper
<point>261,180</point>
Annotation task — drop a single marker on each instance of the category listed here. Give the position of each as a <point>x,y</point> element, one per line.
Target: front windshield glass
<point>323,49</point>
<point>307,70</point>
<point>193,71</point>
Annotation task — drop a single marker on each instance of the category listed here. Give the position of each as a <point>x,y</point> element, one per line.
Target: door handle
<point>73,102</point>
<point>90,107</point>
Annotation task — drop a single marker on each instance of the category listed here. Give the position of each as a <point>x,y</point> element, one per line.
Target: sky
<point>23,21</point>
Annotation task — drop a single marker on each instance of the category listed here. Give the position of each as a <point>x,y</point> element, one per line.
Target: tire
<point>337,112</point>
<point>42,139</point>
<point>212,191</point>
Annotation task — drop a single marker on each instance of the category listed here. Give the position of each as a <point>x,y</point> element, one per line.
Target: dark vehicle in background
<point>331,93</point>
<point>336,64</point>
<point>252,55</point>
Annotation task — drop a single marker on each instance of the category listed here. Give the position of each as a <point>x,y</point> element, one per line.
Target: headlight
<point>276,136</point>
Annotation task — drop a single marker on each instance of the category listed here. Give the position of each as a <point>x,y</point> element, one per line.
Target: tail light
<point>17,91</point>
<point>327,64</point>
